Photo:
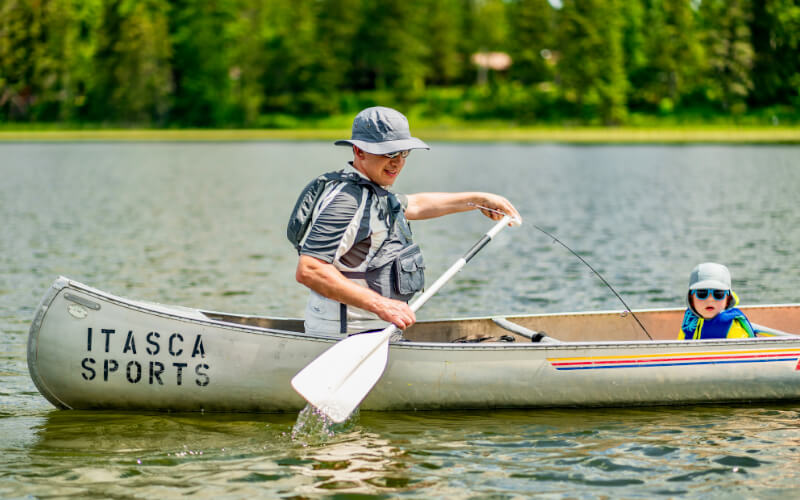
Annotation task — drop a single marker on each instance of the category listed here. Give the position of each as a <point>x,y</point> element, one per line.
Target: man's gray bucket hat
<point>380,130</point>
<point>710,275</point>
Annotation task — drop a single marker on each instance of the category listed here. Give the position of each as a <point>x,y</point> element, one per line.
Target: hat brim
<point>381,148</point>
<point>713,284</point>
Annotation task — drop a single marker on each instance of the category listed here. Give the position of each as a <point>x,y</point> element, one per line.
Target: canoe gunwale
<point>183,314</point>
<point>512,346</point>
<point>174,313</point>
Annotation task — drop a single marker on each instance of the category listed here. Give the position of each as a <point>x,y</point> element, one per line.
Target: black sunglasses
<point>703,293</point>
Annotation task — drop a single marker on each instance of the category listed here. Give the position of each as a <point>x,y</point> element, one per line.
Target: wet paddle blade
<point>341,377</point>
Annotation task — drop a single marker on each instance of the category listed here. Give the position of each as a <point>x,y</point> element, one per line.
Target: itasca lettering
<point>189,353</point>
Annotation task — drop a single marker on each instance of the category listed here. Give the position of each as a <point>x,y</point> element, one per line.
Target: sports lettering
<point>187,355</point>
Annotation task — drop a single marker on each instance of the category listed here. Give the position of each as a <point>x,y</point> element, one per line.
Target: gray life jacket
<point>397,269</point>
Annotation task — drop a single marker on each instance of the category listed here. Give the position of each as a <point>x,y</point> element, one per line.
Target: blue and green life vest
<point>729,324</point>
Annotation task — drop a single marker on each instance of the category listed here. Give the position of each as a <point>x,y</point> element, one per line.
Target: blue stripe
<point>646,365</point>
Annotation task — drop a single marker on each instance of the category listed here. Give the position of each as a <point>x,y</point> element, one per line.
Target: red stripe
<point>660,360</point>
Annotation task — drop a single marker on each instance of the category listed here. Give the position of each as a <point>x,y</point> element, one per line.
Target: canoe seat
<point>525,332</point>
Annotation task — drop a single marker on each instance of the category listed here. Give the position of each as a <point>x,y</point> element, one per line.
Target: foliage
<point>276,63</point>
<point>592,67</point>
<point>671,55</point>
<point>532,41</point>
<point>730,52</point>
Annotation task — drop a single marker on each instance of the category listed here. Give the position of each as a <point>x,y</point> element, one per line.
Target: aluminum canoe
<point>89,349</point>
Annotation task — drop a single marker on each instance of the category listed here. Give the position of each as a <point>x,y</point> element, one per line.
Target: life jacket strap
<point>342,318</point>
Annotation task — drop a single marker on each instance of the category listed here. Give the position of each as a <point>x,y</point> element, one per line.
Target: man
<point>357,256</point>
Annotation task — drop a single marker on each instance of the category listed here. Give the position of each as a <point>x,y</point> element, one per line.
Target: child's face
<point>709,307</point>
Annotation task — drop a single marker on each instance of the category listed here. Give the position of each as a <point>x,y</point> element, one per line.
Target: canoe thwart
<point>525,332</point>
<point>771,332</point>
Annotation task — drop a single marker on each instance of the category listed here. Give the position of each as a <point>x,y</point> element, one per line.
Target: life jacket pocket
<point>409,271</point>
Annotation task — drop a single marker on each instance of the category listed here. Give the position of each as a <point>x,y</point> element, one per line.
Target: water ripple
<point>202,225</point>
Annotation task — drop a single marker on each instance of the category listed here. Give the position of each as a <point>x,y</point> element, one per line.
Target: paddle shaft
<point>459,264</point>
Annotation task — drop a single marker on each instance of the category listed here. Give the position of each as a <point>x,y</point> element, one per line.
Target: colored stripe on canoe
<point>677,359</point>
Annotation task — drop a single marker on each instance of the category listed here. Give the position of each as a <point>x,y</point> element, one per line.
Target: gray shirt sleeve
<point>325,234</point>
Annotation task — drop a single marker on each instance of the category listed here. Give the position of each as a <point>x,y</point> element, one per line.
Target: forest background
<point>315,63</point>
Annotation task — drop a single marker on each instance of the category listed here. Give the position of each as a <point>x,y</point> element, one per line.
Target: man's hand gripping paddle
<point>340,378</point>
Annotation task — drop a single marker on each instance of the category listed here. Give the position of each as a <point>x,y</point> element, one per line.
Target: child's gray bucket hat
<point>710,275</point>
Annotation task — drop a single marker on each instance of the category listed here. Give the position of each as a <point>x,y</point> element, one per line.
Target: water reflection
<point>344,458</point>
<point>103,454</point>
<point>356,462</point>
<point>664,451</point>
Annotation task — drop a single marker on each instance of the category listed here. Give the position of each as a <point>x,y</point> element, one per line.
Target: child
<point>712,312</point>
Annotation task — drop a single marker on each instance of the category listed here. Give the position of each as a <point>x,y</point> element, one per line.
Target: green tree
<point>80,23</point>
<point>444,29</point>
<point>291,60</point>
<point>490,26</point>
<point>337,26</point>
<point>46,52</point>
<point>634,36</point>
<point>591,68</point>
<point>392,53</point>
<point>134,74</point>
<point>201,64</point>
<point>673,51</point>
<point>532,39</point>
<point>20,26</point>
<point>730,52</point>
<point>248,33</point>
<point>776,44</point>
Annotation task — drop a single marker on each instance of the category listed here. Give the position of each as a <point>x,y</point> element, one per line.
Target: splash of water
<point>314,427</point>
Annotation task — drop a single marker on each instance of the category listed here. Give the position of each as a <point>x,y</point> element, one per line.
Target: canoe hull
<point>91,350</point>
<point>126,357</point>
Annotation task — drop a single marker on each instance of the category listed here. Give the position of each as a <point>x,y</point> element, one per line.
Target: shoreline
<point>577,135</point>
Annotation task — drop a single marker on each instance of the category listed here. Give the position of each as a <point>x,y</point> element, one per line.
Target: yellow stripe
<point>677,354</point>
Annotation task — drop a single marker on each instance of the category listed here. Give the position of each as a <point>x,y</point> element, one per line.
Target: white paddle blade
<point>341,377</point>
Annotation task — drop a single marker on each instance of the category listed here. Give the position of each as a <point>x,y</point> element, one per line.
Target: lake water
<point>202,224</point>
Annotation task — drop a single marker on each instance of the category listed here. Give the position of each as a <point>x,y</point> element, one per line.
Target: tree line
<point>247,63</point>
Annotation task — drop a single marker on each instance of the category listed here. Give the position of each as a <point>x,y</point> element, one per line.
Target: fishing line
<point>582,260</point>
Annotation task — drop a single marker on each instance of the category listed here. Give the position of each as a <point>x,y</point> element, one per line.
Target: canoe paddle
<point>340,378</point>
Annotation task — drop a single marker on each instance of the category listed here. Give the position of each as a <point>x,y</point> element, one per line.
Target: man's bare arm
<point>327,281</point>
<point>430,205</point>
